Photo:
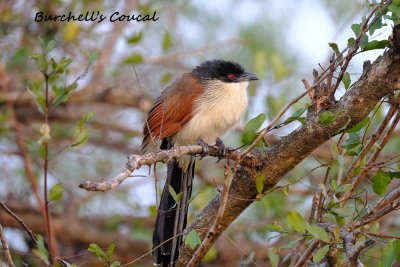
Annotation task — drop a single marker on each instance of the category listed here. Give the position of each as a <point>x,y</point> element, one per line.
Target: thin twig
<point>241,250</point>
<point>371,161</point>
<point>375,137</point>
<point>307,254</point>
<point>45,172</point>
<point>6,249</point>
<point>216,227</point>
<point>20,221</point>
<point>380,235</point>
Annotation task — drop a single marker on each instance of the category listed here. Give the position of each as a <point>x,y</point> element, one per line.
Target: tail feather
<point>172,217</point>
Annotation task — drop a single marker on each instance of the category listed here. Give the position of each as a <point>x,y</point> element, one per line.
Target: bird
<point>199,106</point>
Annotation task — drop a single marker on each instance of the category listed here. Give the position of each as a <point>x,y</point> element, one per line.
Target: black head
<point>223,70</point>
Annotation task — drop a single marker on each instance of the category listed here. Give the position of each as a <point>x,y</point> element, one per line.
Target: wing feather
<point>172,110</point>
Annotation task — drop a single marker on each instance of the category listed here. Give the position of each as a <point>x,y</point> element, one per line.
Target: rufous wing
<point>172,110</point>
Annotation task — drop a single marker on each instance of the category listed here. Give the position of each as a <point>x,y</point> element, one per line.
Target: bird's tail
<point>172,215</point>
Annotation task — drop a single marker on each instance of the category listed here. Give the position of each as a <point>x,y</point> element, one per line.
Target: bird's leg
<point>204,146</point>
<point>221,149</point>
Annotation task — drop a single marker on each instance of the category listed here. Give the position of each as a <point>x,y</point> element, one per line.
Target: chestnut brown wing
<point>172,110</point>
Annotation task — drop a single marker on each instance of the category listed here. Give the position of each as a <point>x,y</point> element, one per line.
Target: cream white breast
<point>218,110</point>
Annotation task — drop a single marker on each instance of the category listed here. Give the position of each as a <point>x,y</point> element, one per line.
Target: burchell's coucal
<point>200,105</point>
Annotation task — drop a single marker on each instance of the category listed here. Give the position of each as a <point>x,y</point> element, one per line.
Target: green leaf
<point>291,244</point>
<point>249,132</point>
<point>350,41</point>
<point>396,248</point>
<point>61,95</point>
<point>56,192</point>
<point>318,232</point>
<point>375,45</point>
<point>395,9</point>
<point>273,227</point>
<point>394,174</point>
<point>353,141</point>
<point>273,257</point>
<point>363,41</point>
<point>173,194</point>
<point>356,128</point>
<point>377,25</point>
<point>387,255</point>
<point>320,254</point>
<point>260,183</point>
<point>110,251</point>
<point>286,190</point>
<point>326,118</point>
<point>134,39</point>
<point>329,218</point>
<point>115,264</point>
<point>94,55</point>
<point>356,29</point>
<point>136,58</point>
<point>41,252</point>
<point>346,80</point>
<point>167,41</point>
<point>334,185</point>
<point>192,239</point>
<point>81,139</point>
<point>166,78</point>
<point>296,115</point>
<point>297,222</point>
<point>335,48</point>
<point>19,59</point>
<point>334,149</point>
<point>81,131</point>
<point>343,212</point>
<point>50,46</point>
<point>344,188</point>
<point>97,251</point>
<point>380,181</point>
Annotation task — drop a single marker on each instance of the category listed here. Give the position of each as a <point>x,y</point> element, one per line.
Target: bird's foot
<point>221,149</point>
<point>204,146</point>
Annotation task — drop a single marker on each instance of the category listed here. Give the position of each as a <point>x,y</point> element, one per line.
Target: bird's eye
<point>231,77</point>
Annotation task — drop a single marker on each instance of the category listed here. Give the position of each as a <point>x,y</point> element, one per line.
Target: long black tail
<point>172,216</point>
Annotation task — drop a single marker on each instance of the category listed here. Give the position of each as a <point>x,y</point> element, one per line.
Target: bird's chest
<point>215,113</point>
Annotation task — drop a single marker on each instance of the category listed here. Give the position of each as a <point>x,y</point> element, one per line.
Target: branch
<point>351,249</point>
<point>21,222</point>
<point>164,156</point>
<point>6,249</point>
<point>215,229</point>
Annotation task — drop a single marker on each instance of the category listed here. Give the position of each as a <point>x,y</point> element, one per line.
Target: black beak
<point>248,76</point>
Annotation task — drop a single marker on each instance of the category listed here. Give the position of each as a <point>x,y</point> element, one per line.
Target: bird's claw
<point>204,146</point>
<point>221,149</point>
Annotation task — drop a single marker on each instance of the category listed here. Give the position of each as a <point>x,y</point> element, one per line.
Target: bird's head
<point>223,70</point>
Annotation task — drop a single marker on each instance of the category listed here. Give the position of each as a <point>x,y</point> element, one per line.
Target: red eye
<point>231,77</point>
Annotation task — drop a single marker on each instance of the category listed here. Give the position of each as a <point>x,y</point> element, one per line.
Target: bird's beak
<point>248,76</point>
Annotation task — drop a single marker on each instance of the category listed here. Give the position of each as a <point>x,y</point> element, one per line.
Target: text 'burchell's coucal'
<point>200,105</point>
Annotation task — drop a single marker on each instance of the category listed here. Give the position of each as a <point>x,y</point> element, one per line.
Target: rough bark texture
<point>379,79</point>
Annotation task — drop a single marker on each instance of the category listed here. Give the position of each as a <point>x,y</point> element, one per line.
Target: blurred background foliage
<point>280,41</point>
